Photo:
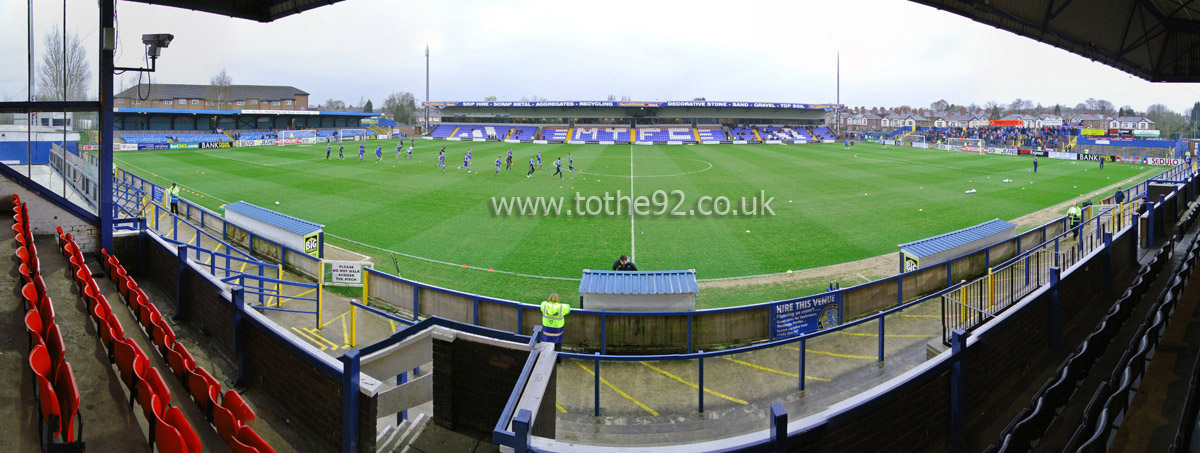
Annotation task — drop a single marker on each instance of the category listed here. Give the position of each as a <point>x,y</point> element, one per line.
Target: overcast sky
<point>893,52</point>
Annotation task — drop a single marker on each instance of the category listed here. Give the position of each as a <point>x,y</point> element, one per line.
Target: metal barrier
<point>980,300</point>
<point>271,294</point>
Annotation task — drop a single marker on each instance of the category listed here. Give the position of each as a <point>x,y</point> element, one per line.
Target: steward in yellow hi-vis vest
<point>554,317</point>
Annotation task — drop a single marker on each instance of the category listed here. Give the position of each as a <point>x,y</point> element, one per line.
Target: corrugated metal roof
<point>641,282</point>
<point>943,242</point>
<point>275,219</point>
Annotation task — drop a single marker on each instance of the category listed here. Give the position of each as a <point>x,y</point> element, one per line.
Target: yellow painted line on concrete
<point>335,319</point>
<point>393,323</point>
<point>313,331</point>
<point>890,335</point>
<point>318,343</point>
<point>345,332</point>
<point>310,291</point>
<point>560,408</point>
<point>772,370</point>
<point>834,354</point>
<point>619,391</point>
<point>211,255</point>
<point>193,239</point>
<point>689,384</point>
<point>243,270</point>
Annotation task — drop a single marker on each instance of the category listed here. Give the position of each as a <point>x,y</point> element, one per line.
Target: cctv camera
<point>156,42</point>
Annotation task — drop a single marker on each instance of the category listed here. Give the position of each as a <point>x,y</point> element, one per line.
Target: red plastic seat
<point>39,361</point>
<point>35,328</point>
<point>173,434</point>
<point>176,419</point>
<point>50,409</point>
<point>126,284</point>
<point>26,276</point>
<point>204,389</point>
<point>163,337</point>
<point>54,345</point>
<point>181,362</point>
<point>99,314</point>
<point>153,385</point>
<point>68,248</point>
<point>46,309</point>
<point>68,402</point>
<point>118,274</point>
<point>147,315</point>
<point>29,293</point>
<point>234,402</point>
<point>236,446</point>
<point>131,361</point>
<point>247,436</point>
<point>112,334</point>
<point>227,425</point>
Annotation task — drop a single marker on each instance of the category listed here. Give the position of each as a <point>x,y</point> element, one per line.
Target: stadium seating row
<point>604,134</point>
<point>1031,423</point>
<point>710,134</point>
<point>230,416</point>
<point>665,134</point>
<point>55,388</point>
<point>554,133</point>
<point>1099,420</point>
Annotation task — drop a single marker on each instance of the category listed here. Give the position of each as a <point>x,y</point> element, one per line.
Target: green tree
<point>1057,110</point>
<point>401,106</point>
<point>368,108</point>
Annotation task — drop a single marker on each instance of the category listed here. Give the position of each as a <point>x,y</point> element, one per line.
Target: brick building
<point>205,97</point>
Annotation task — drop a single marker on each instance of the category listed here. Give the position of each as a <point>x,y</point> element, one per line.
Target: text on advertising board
<point>800,316</point>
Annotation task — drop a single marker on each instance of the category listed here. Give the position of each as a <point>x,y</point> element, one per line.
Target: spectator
<point>623,264</point>
<point>1119,197</point>
<point>554,318</point>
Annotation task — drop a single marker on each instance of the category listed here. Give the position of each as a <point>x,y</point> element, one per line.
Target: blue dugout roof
<point>282,221</point>
<point>943,242</point>
<point>638,283</point>
<point>246,112</point>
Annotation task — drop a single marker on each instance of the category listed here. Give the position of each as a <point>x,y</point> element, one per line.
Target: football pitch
<point>827,205</point>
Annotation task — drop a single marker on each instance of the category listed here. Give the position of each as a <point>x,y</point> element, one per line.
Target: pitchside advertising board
<point>156,193</point>
<point>215,145</point>
<point>344,273</point>
<point>1163,161</point>
<point>911,263</point>
<point>800,316</point>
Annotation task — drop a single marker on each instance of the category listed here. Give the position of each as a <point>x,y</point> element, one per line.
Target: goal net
<point>915,140</point>
<point>957,144</point>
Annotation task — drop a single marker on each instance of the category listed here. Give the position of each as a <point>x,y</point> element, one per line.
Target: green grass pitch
<point>831,206</point>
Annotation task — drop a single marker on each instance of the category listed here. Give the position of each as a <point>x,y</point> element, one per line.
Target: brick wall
<point>472,381</point>
<point>44,216</point>
<point>301,392</point>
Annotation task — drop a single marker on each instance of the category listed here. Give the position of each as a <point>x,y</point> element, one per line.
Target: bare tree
<point>402,107</point>
<point>333,105</point>
<point>220,89</point>
<point>50,73</point>
<point>485,98</point>
<point>939,106</point>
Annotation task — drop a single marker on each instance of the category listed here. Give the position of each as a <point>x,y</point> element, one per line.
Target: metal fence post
<point>401,416</point>
<point>350,390</point>
<point>1108,263</point>
<point>700,388</point>
<point>958,342</point>
<point>520,425</point>
<point>596,387</point>
<point>1055,310</point>
<point>603,331</point>
<point>881,316</point>
<point>238,295</point>
<point>779,427</point>
<point>180,282</point>
<point>800,378</point>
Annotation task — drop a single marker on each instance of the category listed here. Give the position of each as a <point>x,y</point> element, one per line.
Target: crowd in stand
<point>1051,137</point>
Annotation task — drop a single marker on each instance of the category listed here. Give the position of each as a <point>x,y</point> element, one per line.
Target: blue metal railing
<point>271,290</point>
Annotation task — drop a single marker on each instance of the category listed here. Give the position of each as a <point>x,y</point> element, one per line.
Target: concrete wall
<point>472,380</point>
<point>44,216</point>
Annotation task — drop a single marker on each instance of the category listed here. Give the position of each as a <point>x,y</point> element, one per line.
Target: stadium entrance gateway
<point>298,234</point>
<point>934,250</point>
<point>638,291</point>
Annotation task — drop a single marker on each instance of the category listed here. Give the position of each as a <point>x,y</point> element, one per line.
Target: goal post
<point>963,144</point>
<point>915,140</point>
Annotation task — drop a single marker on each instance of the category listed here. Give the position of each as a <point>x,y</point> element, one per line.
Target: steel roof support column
<point>107,45</point>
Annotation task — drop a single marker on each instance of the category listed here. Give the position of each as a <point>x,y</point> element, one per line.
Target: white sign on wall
<point>345,272</point>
